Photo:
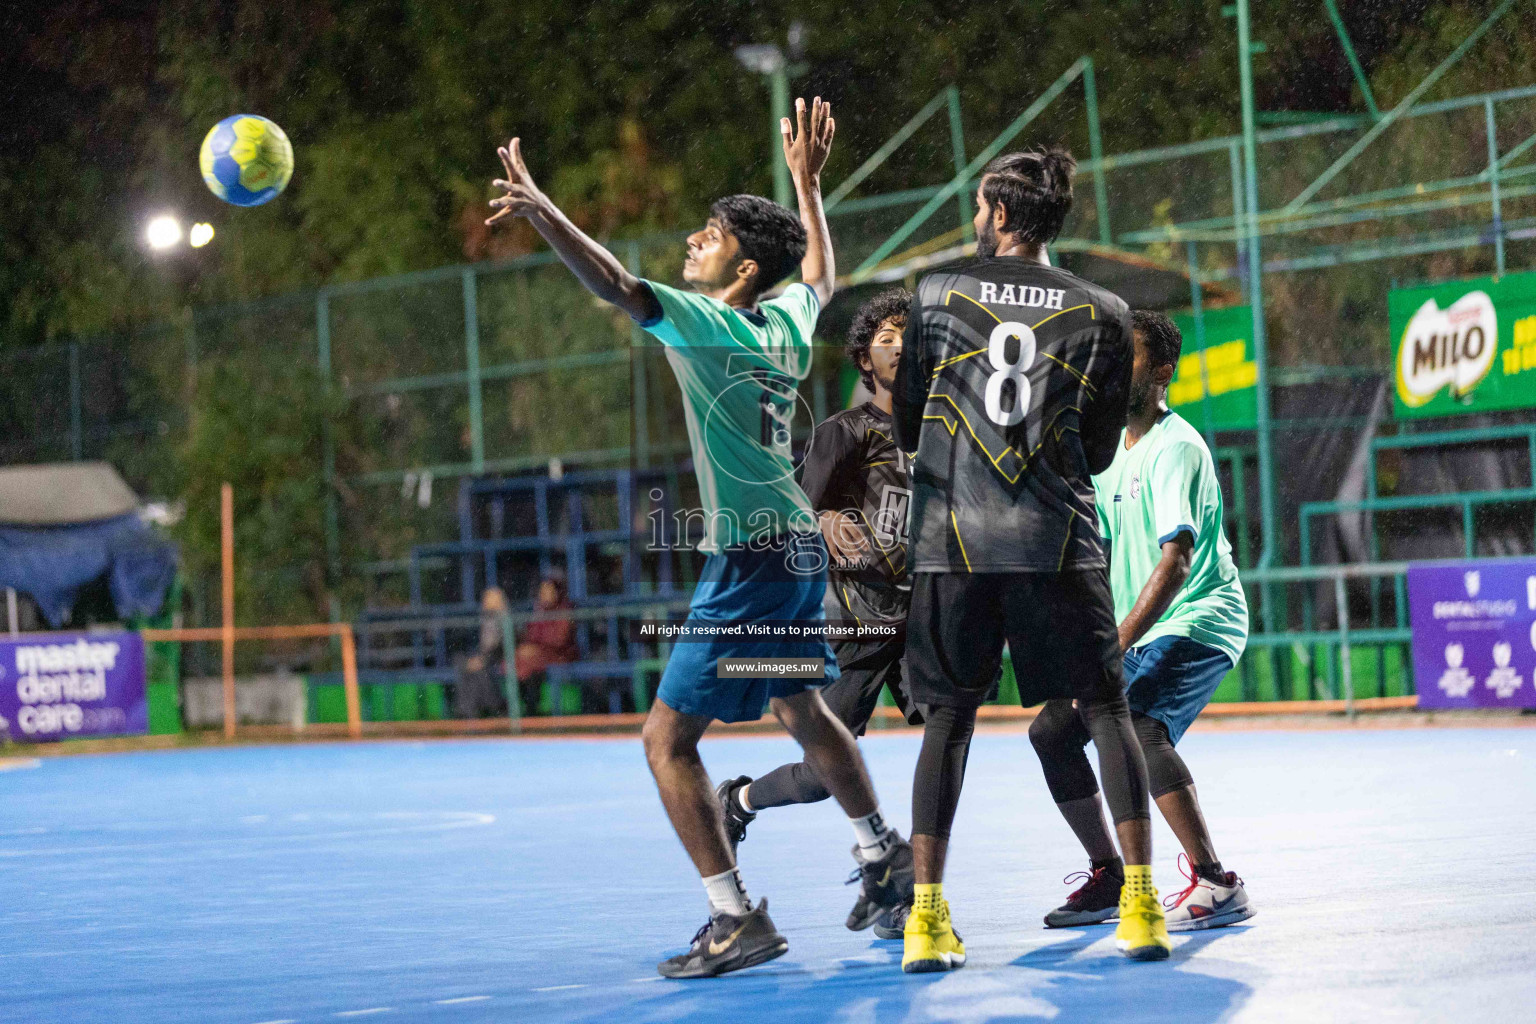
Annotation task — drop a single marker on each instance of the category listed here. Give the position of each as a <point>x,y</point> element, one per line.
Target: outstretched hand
<point>808,141</point>
<point>523,198</point>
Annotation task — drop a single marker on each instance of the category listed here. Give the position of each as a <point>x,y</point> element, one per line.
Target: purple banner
<point>56,686</point>
<point>1474,633</point>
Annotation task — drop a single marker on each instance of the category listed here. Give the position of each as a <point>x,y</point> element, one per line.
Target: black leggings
<point>941,768</point>
<point>1059,735</point>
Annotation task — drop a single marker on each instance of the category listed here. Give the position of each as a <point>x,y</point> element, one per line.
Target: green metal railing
<point>1335,648</point>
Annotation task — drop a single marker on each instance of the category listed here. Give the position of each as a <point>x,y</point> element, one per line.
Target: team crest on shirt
<point>1135,486</point>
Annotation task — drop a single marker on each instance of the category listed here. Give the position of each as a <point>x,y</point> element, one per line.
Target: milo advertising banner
<point>57,686</point>
<point>1216,386</point>
<point>1466,346</point>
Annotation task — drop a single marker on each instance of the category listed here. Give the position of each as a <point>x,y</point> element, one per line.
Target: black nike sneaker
<point>886,883</point>
<point>728,942</point>
<point>736,819</point>
<point>1095,901</point>
<point>893,923</point>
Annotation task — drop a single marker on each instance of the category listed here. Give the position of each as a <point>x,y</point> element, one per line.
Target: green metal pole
<point>1235,158</point>
<point>328,439</point>
<point>957,146</point>
<point>1096,150</point>
<point>1256,297</point>
<point>1260,347</point>
<point>1493,177</point>
<point>1354,61</point>
<point>472,372</point>
<point>890,145</point>
<point>783,192</point>
<point>1195,298</point>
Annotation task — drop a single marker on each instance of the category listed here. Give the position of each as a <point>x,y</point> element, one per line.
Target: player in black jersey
<point>1012,392</point>
<point>856,479</point>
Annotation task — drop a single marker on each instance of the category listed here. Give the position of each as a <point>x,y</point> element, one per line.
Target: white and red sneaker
<point>1207,904</point>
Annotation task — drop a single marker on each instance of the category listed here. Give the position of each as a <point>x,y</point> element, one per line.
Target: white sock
<point>874,835</point>
<point>727,895</point>
<point>741,798</point>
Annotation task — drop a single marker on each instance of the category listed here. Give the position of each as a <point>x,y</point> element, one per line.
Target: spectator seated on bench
<point>545,642</point>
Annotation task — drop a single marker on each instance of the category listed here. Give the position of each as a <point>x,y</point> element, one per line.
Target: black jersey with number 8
<point>1012,391</point>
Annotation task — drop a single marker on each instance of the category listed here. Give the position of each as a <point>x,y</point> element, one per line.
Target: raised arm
<point>806,145</point>
<point>596,267</point>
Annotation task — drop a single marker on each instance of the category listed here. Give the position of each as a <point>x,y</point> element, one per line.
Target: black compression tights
<point>1059,734</point>
<point>787,784</point>
<point>941,768</point>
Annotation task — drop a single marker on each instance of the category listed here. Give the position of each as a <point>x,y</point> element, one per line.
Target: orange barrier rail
<point>228,634</point>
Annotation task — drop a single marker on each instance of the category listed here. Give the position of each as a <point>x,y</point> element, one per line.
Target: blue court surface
<point>493,880</point>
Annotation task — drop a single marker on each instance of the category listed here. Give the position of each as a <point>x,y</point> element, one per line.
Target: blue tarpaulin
<point>52,563</point>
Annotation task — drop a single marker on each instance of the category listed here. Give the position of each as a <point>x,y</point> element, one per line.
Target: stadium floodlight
<point>163,232</point>
<point>764,58</point>
<point>200,235</point>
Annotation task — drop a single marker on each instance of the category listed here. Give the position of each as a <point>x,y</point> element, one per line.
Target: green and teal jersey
<point>739,370</point>
<point>1164,486</point>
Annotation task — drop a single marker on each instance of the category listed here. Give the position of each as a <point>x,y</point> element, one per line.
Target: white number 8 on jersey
<point>997,351</point>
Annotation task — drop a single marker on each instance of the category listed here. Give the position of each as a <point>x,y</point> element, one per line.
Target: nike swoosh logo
<point>886,878</point>
<point>716,948</point>
<point>1219,905</point>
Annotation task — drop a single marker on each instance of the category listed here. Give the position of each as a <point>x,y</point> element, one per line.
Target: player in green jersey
<point>737,357</point>
<point>1183,625</point>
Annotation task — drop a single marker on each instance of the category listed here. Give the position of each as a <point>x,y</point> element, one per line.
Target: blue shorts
<point>1172,679</point>
<point>784,580</point>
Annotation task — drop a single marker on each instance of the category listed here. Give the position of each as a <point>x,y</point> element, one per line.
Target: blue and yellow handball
<point>246,160</point>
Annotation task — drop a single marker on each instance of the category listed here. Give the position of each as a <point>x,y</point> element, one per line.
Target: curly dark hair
<point>1164,342</point>
<point>1035,187</point>
<point>891,304</point>
<point>766,232</point>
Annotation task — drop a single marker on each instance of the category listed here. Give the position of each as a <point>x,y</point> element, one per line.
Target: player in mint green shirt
<point>1183,625</point>
<point>738,358</point>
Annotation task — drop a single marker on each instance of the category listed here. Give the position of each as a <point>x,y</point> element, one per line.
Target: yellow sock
<point>1138,879</point>
<point>927,897</point>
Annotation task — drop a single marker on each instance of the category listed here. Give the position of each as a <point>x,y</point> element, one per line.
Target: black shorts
<point>1060,630</point>
<point>867,667</point>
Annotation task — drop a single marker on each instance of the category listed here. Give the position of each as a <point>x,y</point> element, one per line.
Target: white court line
<point>362,1013</point>
<point>460,999</point>
<point>556,988</point>
<point>279,1022</point>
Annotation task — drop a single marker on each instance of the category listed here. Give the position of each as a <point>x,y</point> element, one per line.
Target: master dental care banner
<point>1464,346</point>
<point>1474,633</point>
<point>56,686</point>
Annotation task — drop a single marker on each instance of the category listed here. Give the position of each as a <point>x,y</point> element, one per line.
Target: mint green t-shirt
<point>739,371</point>
<point>1164,486</point>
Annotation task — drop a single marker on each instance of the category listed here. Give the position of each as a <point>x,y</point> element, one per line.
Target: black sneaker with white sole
<point>884,884</point>
<point>893,923</point>
<point>728,942</point>
<point>1097,900</point>
<point>736,819</point>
